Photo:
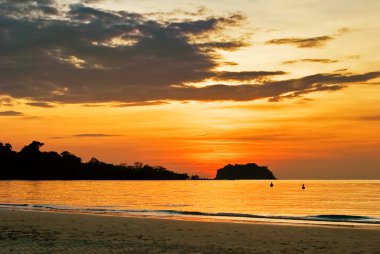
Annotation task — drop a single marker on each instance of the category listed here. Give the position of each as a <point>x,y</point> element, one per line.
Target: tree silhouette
<point>8,158</point>
<point>32,164</point>
<point>32,149</point>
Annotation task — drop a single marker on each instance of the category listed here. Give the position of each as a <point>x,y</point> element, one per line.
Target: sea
<point>327,202</point>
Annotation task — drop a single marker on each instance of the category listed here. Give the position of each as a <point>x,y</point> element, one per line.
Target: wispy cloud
<point>85,135</point>
<point>6,101</point>
<point>344,30</point>
<point>245,75</point>
<point>300,42</point>
<point>269,89</point>
<point>311,60</point>
<point>40,104</point>
<point>32,117</point>
<point>94,135</point>
<point>199,11</point>
<point>10,113</point>
<point>370,118</point>
<point>141,103</point>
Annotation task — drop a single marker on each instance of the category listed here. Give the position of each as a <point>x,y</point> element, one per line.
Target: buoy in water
<point>303,186</point>
<point>271,184</point>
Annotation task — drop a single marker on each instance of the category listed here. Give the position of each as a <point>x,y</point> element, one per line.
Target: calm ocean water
<point>331,202</point>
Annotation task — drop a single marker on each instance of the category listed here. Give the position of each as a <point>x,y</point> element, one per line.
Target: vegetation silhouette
<point>32,164</point>
<point>244,171</point>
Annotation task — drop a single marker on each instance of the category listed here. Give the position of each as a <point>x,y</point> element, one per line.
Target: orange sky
<point>199,85</point>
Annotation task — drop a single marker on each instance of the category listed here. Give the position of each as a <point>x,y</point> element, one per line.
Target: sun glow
<point>196,86</point>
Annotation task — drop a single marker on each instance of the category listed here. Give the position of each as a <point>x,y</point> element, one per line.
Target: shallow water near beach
<point>322,202</point>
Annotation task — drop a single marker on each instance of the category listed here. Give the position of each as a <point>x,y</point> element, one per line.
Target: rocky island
<point>244,171</point>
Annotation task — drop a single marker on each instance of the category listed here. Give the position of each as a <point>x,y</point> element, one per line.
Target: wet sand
<point>47,232</point>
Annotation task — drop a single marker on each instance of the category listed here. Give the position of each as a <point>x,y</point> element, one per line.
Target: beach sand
<point>48,232</point>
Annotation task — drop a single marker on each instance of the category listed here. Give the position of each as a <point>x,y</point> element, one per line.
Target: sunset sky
<point>194,85</point>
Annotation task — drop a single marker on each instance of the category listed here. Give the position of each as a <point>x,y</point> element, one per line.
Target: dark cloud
<point>316,88</point>
<point>311,60</point>
<point>207,25</point>
<point>269,89</point>
<point>312,42</point>
<point>27,8</point>
<point>245,75</point>
<point>10,113</point>
<point>224,45</point>
<point>40,104</point>
<point>93,55</point>
<point>228,63</point>
<point>82,54</point>
<point>341,70</point>
<point>93,135</point>
<point>91,1</point>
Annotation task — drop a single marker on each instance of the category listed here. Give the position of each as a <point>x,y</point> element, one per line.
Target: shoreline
<point>47,231</point>
<point>199,216</point>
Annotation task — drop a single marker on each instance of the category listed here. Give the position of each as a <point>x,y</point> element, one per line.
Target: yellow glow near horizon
<point>200,137</point>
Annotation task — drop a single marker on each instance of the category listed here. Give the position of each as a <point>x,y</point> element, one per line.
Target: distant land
<point>246,171</point>
<point>32,164</point>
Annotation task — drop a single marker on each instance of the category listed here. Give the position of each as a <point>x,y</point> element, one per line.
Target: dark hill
<point>247,171</point>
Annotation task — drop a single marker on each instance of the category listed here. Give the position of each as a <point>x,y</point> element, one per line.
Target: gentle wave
<point>332,218</point>
<point>327,218</point>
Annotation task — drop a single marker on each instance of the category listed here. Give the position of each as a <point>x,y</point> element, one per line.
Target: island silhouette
<point>30,163</point>
<point>244,171</point>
